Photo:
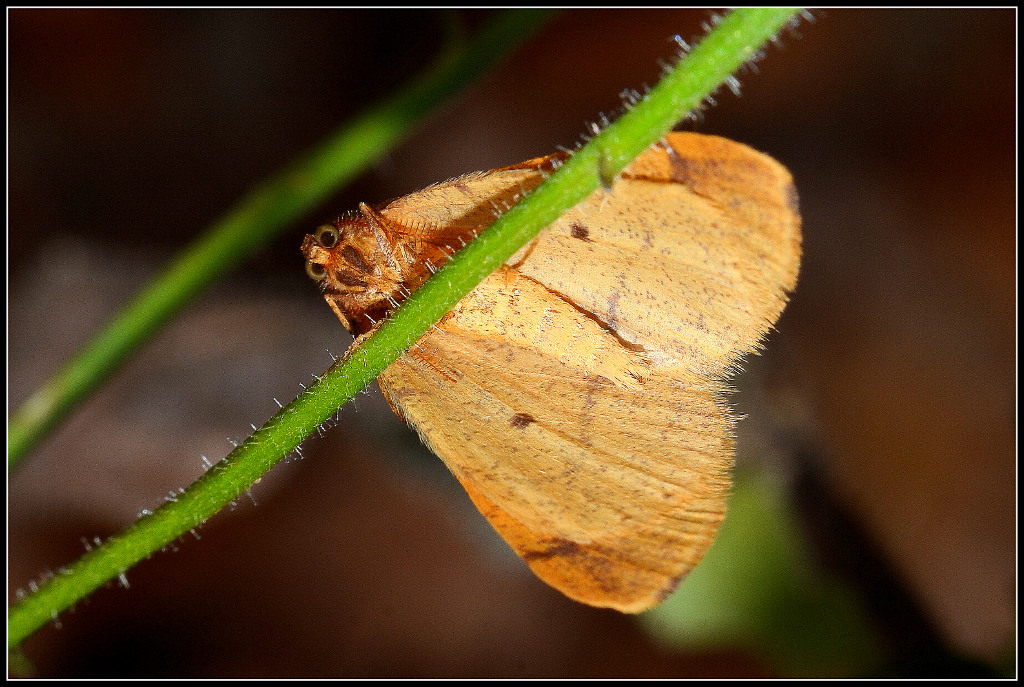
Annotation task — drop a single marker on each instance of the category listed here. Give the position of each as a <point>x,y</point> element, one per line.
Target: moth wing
<point>464,206</point>
<point>610,487</point>
<point>689,254</point>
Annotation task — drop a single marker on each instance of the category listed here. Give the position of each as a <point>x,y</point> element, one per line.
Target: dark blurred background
<point>888,391</point>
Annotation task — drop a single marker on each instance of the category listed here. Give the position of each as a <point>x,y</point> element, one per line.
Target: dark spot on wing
<point>694,173</point>
<point>683,169</point>
<point>560,548</point>
<point>580,232</point>
<point>520,420</point>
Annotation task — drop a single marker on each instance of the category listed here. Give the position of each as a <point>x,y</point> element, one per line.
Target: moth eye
<point>326,235</point>
<point>315,270</point>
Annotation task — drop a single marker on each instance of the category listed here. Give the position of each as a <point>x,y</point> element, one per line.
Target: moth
<point>578,392</point>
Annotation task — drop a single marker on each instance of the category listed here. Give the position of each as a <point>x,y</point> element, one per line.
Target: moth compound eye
<point>327,236</point>
<point>315,270</point>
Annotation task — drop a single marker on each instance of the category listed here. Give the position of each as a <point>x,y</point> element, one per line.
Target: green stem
<point>733,41</point>
<point>258,218</point>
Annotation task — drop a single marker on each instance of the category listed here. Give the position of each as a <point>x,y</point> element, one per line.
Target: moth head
<point>355,267</point>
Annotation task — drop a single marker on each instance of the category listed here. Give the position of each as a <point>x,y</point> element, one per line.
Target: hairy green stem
<point>732,42</point>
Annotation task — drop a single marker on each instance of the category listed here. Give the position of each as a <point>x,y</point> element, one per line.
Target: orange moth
<point>577,392</point>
